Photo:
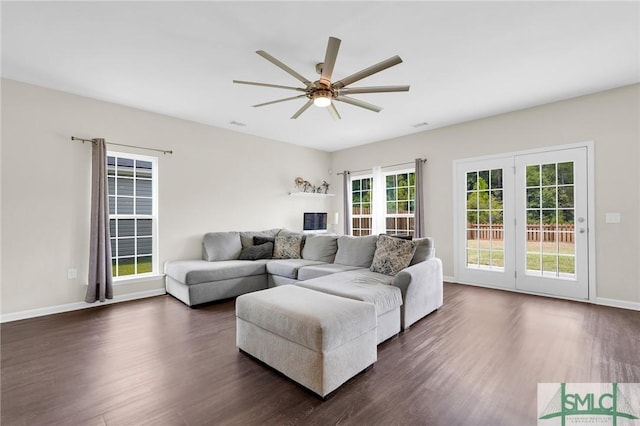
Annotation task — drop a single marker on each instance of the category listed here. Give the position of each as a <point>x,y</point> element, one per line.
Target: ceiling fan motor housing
<point>320,93</point>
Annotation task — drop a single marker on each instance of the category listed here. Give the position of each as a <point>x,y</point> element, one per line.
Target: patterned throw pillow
<point>287,246</point>
<point>392,255</point>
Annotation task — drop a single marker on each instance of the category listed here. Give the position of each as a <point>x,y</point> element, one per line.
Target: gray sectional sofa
<point>337,265</point>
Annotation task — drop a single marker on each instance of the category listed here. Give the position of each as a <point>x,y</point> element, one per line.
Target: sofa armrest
<point>422,290</point>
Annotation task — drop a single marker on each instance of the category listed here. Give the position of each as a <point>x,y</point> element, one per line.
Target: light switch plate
<point>612,218</point>
<point>72,273</point>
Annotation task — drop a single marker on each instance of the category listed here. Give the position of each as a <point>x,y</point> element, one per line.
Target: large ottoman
<point>319,340</point>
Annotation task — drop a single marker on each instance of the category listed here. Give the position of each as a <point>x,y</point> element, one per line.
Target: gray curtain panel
<point>345,202</point>
<point>419,201</point>
<point>100,280</point>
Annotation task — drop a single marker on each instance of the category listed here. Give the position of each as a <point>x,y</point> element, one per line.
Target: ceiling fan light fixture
<point>322,98</point>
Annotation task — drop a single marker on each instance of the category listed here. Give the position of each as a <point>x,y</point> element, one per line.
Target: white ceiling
<point>463,60</point>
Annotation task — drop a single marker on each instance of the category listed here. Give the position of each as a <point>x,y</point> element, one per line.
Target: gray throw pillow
<point>392,255</point>
<point>287,246</point>
<point>320,247</point>
<point>261,240</point>
<point>246,238</point>
<point>260,251</point>
<point>356,251</point>
<point>221,246</point>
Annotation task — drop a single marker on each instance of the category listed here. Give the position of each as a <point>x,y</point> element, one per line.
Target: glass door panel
<point>550,220</point>
<point>484,241</point>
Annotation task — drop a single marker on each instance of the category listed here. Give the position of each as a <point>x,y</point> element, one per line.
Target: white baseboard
<point>615,303</point>
<point>32,313</point>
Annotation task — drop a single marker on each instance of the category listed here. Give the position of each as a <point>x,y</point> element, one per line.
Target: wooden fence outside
<point>548,233</point>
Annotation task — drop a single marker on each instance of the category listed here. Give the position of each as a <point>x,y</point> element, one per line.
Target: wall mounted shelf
<point>310,194</point>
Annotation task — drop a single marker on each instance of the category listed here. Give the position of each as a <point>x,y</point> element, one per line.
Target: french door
<point>485,211</point>
<point>522,222</point>
<point>551,225</point>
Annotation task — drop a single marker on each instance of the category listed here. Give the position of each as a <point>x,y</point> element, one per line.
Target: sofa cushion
<point>247,238</point>
<point>356,251</point>
<point>320,247</point>
<point>287,246</point>
<point>221,246</point>
<point>199,271</point>
<point>288,268</point>
<point>261,251</point>
<point>315,271</point>
<point>392,255</point>
<point>424,250</point>
<point>359,284</point>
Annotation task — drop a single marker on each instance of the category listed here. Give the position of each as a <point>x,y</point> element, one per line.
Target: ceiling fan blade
<point>333,111</point>
<point>283,67</point>
<point>277,86</point>
<point>279,100</point>
<point>358,102</point>
<point>329,60</point>
<point>367,72</point>
<point>372,89</point>
<point>303,109</point>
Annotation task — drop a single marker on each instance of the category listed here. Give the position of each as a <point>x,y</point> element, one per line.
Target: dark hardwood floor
<point>476,361</point>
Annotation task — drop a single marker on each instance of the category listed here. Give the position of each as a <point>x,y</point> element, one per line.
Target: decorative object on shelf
<point>324,186</point>
<point>304,185</point>
<point>333,228</point>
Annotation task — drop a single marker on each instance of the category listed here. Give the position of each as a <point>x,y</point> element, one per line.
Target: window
<point>132,213</point>
<point>400,207</point>
<point>390,210</point>
<point>361,214</point>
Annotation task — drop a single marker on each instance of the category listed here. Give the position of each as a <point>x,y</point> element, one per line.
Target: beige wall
<point>223,180</point>
<point>216,180</point>
<point>611,119</point>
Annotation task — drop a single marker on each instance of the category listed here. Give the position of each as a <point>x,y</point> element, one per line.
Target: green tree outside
<point>485,197</point>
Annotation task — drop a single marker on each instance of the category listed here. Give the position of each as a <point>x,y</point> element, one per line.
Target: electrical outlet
<point>72,273</point>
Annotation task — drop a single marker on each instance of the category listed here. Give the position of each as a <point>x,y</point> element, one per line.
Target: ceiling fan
<point>323,92</point>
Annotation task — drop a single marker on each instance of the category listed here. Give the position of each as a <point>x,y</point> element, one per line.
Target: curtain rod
<point>382,167</point>
<point>164,151</point>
